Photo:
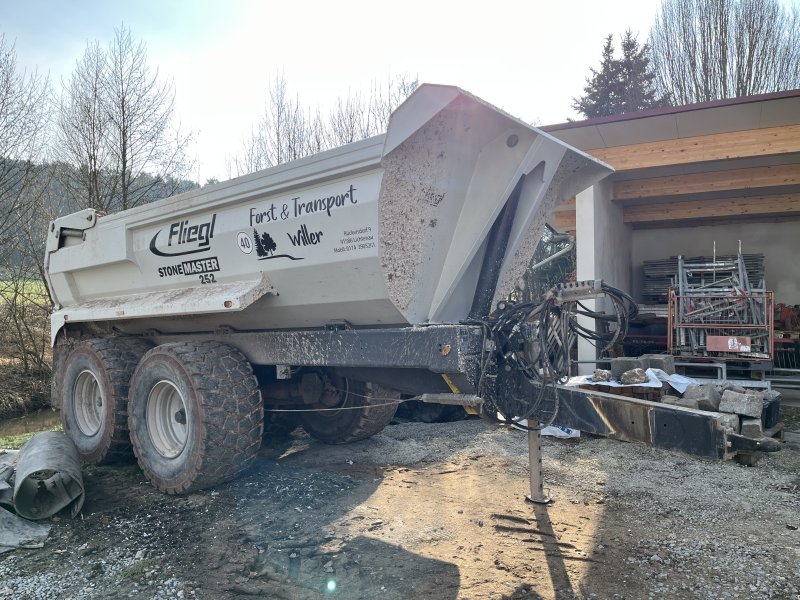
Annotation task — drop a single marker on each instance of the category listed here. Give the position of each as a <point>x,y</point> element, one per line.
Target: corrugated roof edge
<point>655,112</point>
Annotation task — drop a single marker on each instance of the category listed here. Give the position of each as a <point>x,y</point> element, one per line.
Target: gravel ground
<point>435,511</point>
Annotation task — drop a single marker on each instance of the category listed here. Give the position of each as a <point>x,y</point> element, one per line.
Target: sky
<point>528,58</point>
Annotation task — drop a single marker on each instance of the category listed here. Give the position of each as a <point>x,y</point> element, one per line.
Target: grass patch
<point>16,441</point>
<point>31,290</point>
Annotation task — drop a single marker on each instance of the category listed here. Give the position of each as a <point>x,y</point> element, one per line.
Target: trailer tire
<point>278,426</point>
<point>195,415</point>
<point>366,408</point>
<point>93,396</point>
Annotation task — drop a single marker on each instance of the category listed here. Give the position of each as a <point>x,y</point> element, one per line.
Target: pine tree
<point>601,94</point>
<point>637,78</point>
<point>259,246</point>
<point>620,85</point>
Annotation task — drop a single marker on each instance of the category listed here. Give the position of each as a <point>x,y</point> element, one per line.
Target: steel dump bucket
<point>390,231</point>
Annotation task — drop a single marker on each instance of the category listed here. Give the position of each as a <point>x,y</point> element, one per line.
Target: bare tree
<point>288,131</point>
<point>350,120</point>
<point>116,127</point>
<point>355,118</point>
<point>387,97</point>
<point>23,118</point>
<point>284,132</point>
<point>25,302</point>
<point>710,49</point>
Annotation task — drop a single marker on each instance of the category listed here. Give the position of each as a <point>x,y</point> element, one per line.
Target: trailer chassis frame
<point>459,352</point>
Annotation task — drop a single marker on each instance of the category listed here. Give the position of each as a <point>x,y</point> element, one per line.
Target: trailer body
<point>330,287</point>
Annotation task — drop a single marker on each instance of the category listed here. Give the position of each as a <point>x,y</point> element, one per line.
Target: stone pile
<point>744,411</point>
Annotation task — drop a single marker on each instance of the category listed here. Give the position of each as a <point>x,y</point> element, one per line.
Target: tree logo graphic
<point>266,247</point>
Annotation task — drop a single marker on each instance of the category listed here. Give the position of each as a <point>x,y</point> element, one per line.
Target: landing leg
<point>535,462</point>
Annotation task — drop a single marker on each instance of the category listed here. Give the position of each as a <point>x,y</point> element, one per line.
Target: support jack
<point>537,495</point>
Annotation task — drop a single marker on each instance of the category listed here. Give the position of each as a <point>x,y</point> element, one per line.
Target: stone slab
<point>678,401</point>
<point>752,428</point>
<point>665,362</point>
<point>729,421</point>
<point>620,365</point>
<point>749,404</point>
<point>707,396</point>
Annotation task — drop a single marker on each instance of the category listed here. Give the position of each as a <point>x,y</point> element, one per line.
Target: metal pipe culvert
<point>48,478</point>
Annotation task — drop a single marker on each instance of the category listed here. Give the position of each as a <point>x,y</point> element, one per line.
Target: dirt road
<point>433,511</point>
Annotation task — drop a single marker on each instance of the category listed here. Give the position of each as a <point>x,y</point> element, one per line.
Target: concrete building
<point>690,179</point>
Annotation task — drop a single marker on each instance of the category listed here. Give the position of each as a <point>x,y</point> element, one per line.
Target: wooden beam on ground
<point>745,206</point>
<point>711,181</point>
<point>703,148</point>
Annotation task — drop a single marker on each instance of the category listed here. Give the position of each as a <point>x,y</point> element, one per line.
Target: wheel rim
<point>89,403</point>
<point>166,419</point>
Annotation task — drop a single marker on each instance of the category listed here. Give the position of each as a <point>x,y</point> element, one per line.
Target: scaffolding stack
<point>715,312</point>
<point>661,274</point>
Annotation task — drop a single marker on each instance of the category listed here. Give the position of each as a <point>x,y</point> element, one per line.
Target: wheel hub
<point>89,403</point>
<point>166,419</point>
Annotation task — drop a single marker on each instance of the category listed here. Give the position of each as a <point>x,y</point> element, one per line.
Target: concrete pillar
<point>603,247</point>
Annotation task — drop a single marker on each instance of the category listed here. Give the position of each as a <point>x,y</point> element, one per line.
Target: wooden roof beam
<point>703,148</point>
<point>564,220</point>
<point>711,181</point>
<point>746,206</point>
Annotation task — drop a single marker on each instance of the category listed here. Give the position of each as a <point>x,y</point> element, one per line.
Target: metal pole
<point>535,463</point>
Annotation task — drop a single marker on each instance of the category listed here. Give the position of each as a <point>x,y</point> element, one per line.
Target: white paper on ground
<point>678,382</point>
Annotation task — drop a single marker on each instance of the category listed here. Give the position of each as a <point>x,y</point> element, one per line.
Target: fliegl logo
<point>184,237</point>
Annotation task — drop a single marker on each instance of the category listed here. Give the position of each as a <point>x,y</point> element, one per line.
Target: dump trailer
<point>333,287</point>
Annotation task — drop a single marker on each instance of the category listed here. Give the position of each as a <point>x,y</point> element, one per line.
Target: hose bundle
<point>535,339</point>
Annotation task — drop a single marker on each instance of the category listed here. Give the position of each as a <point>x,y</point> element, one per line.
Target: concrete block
<point>735,388</point>
<point>634,376</point>
<point>749,405</point>
<point>729,421</point>
<point>752,428</point>
<point>707,396</point>
<point>665,362</point>
<point>678,401</point>
<point>620,365</point>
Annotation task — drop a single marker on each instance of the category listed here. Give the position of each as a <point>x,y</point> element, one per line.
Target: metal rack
<point>661,274</point>
<point>717,313</point>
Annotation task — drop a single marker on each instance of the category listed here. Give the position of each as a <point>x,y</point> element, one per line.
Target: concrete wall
<point>779,242</point>
<point>603,250</point>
